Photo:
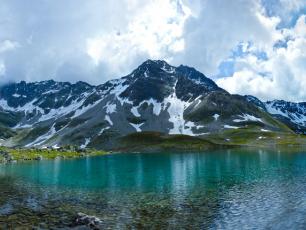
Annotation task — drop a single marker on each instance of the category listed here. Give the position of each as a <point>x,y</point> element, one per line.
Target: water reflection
<point>157,172</point>
<point>221,189</point>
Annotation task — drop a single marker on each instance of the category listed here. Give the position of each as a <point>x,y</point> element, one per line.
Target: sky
<point>255,47</point>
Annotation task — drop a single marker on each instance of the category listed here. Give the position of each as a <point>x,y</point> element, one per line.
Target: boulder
<point>83,219</point>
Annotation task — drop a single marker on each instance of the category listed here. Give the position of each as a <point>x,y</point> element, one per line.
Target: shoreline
<point>9,156</point>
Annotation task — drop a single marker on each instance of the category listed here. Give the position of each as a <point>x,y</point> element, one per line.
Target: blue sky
<point>253,47</point>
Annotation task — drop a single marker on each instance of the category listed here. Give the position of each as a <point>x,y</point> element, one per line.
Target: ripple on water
<point>206,191</point>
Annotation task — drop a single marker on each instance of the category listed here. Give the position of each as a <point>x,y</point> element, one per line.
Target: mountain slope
<point>155,97</point>
<point>290,113</point>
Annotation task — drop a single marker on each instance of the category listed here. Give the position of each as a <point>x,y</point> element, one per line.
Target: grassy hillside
<point>255,137</point>
<point>227,138</point>
<point>157,142</point>
<point>154,141</point>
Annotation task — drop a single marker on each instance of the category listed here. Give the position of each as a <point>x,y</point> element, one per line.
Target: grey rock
<point>87,220</point>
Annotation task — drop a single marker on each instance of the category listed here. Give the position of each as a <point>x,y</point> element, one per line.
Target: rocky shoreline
<point>8,155</point>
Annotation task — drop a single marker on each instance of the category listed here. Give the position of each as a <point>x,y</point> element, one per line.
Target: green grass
<point>250,136</point>
<point>154,141</point>
<point>36,154</point>
<point>255,137</point>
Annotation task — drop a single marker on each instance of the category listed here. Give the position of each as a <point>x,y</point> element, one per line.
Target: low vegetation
<point>8,155</point>
<point>154,141</point>
<point>227,138</point>
<point>249,136</point>
<point>255,137</point>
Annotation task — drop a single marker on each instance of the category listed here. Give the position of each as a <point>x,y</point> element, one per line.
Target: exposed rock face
<point>154,97</point>
<point>290,113</point>
<point>88,221</point>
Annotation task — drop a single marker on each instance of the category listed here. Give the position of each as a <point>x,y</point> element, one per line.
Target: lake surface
<point>228,189</point>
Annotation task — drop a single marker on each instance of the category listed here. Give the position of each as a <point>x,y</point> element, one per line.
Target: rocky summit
<point>155,98</point>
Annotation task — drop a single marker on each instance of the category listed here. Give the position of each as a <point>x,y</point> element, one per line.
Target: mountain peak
<point>156,97</point>
<point>196,76</point>
<point>155,62</point>
<point>155,65</point>
<point>182,70</point>
<point>153,69</point>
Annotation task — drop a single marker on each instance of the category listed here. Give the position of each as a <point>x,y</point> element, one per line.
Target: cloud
<point>218,28</point>
<point>287,10</point>
<point>258,44</point>
<point>2,69</point>
<point>52,35</point>
<point>7,45</point>
<point>88,40</point>
<point>154,31</point>
<point>281,76</point>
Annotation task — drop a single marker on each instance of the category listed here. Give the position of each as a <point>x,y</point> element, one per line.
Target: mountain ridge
<point>155,97</point>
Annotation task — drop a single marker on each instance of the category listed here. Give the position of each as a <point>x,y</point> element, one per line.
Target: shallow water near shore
<point>224,189</point>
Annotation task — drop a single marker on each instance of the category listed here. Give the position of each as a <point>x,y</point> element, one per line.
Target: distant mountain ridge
<point>293,114</point>
<point>155,97</point>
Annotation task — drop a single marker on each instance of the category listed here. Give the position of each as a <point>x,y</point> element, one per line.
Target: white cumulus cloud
<point>153,31</point>
<point>96,40</point>
<point>281,76</point>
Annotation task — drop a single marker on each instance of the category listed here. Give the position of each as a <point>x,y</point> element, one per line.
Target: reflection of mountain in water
<point>219,189</point>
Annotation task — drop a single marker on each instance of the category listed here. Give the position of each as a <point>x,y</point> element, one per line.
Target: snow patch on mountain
<point>265,130</point>
<point>168,69</point>
<point>27,108</point>
<point>103,129</point>
<point>276,111</point>
<point>120,88</point>
<point>230,127</point>
<point>176,108</point>
<point>295,112</point>
<point>135,112</point>
<point>42,138</point>
<point>197,101</point>
<point>137,126</point>
<point>110,108</point>
<point>79,108</point>
<point>107,118</point>
<point>216,116</point>
<point>156,106</point>
<point>51,91</point>
<point>87,141</point>
<point>247,117</point>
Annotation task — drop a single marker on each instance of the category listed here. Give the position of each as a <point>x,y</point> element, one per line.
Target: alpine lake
<point>222,189</point>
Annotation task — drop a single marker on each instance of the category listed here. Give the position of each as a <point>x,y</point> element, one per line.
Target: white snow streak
<point>247,117</point>
<point>230,127</point>
<point>107,118</point>
<point>137,126</point>
<point>87,141</point>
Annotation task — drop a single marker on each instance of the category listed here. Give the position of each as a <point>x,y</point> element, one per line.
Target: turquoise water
<point>228,189</point>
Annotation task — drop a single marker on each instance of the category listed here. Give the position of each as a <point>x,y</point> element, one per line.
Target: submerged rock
<point>39,158</point>
<point>89,221</point>
<point>6,209</point>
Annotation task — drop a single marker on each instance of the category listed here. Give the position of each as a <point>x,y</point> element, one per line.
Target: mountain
<point>156,102</point>
<point>290,113</point>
